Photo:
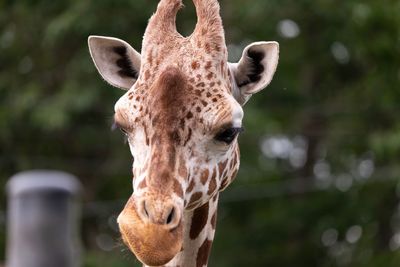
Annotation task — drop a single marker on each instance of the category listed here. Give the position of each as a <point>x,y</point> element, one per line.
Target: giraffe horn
<point>163,22</point>
<point>209,23</point>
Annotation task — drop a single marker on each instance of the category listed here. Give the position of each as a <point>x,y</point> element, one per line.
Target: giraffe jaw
<point>152,244</point>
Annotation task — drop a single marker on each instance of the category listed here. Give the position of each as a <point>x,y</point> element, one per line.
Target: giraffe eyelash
<point>115,126</point>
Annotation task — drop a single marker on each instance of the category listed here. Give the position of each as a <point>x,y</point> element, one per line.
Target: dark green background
<point>318,184</point>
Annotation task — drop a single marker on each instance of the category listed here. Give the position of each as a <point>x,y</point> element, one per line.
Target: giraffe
<point>182,114</point>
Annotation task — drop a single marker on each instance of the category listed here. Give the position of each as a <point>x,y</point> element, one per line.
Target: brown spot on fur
<point>195,65</point>
<point>215,197</point>
<point>214,99</point>
<point>212,84</point>
<point>208,94</point>
<point>208,48</point>
<point>197,92</point>
<point>195,197</point>
<point>203,253</point>
<point>198,109</point>
<point>222,166</point>
<point>199,221</point>
<point>189,115</point>
<point>208,65</point>
<point>142,184</point>
<point>170,87</point>
<point>213,184</point>
<point>191,186</point>
<point>201,84</point>
<point>146,75</point>
<point>210,75</point>
<point>214,220</point>
<point>204,176</point>
<point>147,136</point>
<point>174,136</point>
<point>150,58</point>
<point>224,183</point>
<point>204,103</point>
<point>178,188</point>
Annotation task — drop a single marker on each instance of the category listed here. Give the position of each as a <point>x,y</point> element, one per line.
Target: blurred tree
<point>318,184</point>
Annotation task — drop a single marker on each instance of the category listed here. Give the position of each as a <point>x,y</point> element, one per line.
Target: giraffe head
<point>182,113</point>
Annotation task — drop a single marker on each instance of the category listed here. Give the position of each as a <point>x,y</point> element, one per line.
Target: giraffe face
<point>183,138</point>
<point>182,114</point>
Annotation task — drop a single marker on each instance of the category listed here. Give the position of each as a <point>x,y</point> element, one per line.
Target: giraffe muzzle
<point>152,230</point>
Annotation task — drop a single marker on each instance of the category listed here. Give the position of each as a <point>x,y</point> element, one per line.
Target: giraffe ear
<point>255,69</point>
<point>117,62</point>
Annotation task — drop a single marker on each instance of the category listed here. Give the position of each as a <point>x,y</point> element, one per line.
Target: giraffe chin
<point>152,244</point>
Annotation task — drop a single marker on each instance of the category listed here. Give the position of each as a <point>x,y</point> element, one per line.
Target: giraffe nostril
<point>145,210</point>
<point>171,215</point>
<point>159,212</point>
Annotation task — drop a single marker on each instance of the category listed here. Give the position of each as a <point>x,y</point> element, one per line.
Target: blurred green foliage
<point>320,169</point>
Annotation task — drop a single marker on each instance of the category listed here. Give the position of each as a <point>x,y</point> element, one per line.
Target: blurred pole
<point>43,220</point>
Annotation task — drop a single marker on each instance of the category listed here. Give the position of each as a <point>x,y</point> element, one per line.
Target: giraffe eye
<point>228,135</point>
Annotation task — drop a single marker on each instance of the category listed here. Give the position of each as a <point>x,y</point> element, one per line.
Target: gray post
<point>43,215</point>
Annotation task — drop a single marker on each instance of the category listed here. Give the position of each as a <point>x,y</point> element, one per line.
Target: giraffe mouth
<point>152,244</point>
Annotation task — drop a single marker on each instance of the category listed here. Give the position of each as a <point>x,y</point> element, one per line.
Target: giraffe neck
<point>199,233</point>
